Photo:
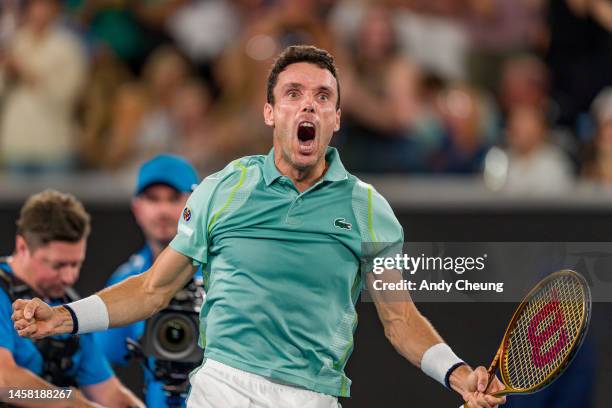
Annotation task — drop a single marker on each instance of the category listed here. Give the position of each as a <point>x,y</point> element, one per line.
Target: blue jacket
<point>88,365</point>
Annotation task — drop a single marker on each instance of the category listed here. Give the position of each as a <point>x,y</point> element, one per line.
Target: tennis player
<point>280,238</point>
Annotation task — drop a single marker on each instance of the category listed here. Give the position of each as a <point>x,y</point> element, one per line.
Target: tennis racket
<point>544,335</point>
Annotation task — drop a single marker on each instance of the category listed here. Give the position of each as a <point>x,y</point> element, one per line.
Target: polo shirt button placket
<point>289,219</point>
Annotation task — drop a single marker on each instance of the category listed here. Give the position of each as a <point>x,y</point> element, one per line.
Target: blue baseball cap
<point>167,169</point>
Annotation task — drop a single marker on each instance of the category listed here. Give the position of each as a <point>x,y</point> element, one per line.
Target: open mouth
<point>306,131</point>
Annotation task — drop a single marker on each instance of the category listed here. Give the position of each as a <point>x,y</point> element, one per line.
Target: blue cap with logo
<point>167,169</point>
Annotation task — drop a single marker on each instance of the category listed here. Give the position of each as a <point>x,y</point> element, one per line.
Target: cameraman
<point>164,183</point>
<point>52,231</point>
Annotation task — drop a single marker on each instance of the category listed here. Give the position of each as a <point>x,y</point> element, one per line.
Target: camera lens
<point>175,335</point>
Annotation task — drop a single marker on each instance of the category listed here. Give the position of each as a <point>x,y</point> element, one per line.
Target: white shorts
<point>216,385</point>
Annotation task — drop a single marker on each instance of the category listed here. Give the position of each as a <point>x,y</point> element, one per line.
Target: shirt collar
<point>335,170</point>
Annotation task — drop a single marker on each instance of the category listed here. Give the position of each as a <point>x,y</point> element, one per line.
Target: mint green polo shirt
<point>281,268</point>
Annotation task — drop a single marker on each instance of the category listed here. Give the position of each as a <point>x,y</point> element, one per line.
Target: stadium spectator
<point>535,166</point>
<point>196,139</point>
<point>430,32</point>
<point>102,110</point>
<point>466,117</point>
<point>524,82</point>
<point>144,124</point>
<point>433,33</point>
<point>598,159</point>
<point>203,29</point>
<point>127,111</point>
<point>382,98</point>
<point>46,66</point>
<point>499,29</point>
<point>165,71</point>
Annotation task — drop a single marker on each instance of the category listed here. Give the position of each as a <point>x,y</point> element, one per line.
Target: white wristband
<point>438,362</point>
<point>89,314</point>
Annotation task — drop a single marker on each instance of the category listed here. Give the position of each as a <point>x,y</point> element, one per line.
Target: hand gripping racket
<point>544,335</point>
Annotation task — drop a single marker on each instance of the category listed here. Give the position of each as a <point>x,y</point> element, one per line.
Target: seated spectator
<point>196,139</point>
<point>498,30</point>
<point>46,66</point>
<point>142,126</point>
<point>203,29</point>
<point>127,110</point>
<point>535,166</point>
<point>434,35</point>
<point>380,100</point>
<point>524,82</point>
<point>598,158</point>
<point>466,118</point>
<point>165,71</point>
<point>102,108</point>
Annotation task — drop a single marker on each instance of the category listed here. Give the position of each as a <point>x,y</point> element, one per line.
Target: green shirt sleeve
<point>381,233</point>
<point>192,238</point>
<point>388,232</point>
<point>385,226</point>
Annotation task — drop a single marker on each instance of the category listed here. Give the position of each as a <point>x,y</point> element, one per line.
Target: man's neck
<point>19,271</point>
<point>303,179</point>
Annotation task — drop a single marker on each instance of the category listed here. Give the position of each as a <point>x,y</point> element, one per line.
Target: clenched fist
<point>36,319</point>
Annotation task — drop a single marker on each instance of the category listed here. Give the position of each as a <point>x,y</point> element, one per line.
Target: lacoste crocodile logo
<point>341,223</point>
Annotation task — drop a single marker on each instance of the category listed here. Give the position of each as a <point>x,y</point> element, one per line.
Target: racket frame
<point>577,341</point>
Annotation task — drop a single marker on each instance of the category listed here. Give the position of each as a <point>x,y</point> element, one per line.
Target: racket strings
<point>544,334</point>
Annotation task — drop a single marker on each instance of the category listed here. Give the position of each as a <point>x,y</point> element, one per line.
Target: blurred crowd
<point>518,89</point>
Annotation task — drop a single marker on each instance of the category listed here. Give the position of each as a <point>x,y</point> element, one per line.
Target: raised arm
<point>132,300</point>
<point>415,338</point>
<point>143,295</point>
<point>405,327</point>
<point>15,377</point>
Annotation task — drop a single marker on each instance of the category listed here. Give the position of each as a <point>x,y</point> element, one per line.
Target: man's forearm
<point>112,393</point>
<point>132,300</point>
<point>117,305</point>
<point>126,398</point>
<point>411,334</point>
<point>129,301</point>
<point>142,295</point>
<point>19,378</point>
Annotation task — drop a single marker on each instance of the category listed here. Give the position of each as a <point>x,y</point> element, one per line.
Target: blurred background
<point>481,120</point>
<point>517,91</point>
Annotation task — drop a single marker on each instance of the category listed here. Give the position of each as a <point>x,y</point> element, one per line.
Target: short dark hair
<point>52,216</point>
<point>301,53</point>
